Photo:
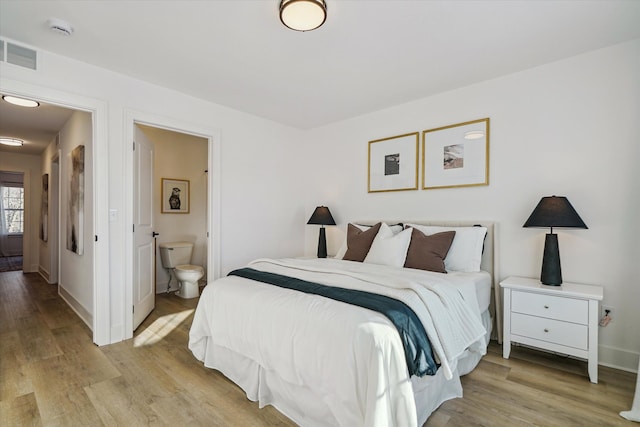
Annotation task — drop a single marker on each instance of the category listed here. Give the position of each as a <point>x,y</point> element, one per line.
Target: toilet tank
<point>175,253</point>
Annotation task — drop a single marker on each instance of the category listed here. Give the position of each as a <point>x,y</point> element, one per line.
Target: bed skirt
<point>306,407</point>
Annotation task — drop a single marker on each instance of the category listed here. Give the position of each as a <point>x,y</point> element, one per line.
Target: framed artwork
<point>75,217</point>
<point>44,209</point>
<point>175,195</point>
<point>393,163</point>
<point>456,155</point>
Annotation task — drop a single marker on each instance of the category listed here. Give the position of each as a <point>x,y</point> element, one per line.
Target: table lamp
<point>553,211</point>
<point>323,217</point>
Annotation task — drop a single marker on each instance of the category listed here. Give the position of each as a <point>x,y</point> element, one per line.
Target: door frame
<point>54,216</point>
<point>101,318</point>
<point>133,117</point>
<point>26,216</point>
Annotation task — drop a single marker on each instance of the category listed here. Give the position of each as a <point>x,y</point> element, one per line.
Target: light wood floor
<point>51,374</point>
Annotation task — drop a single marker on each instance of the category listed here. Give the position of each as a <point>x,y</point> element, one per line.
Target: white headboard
<point>489,261</point>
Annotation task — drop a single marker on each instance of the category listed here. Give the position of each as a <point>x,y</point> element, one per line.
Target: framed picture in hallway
<point>75,218</point>
<point>175,195</point>
<point>44,209</point>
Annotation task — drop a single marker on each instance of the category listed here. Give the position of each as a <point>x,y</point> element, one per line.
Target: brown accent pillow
<point>428,252</point>
<point>359,242</point>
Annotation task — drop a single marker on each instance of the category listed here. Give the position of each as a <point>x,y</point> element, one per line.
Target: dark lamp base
<point>551,271</point>
<point>322,244</point>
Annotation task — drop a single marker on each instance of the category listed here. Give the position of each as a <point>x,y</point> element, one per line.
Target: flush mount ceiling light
<point>474,134</point>
<point>303,15</point>
<point>11,141</point>
<point>20,101</point>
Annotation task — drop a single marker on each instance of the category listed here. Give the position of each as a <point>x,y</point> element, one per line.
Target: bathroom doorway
<point>160,156</point>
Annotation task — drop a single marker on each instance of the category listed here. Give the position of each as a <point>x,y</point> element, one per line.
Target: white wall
<point>29,165</point>
<point>45,248</point>
<point>180,156</point>
<point>568,128</point>
<point>76,270</point>
<point>261,213</point>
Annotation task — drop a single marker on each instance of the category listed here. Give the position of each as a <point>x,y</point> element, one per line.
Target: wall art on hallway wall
<point>75,217</point>
<point>44,209</point>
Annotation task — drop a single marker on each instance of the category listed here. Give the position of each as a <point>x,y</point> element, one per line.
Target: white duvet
<point>350,357</point>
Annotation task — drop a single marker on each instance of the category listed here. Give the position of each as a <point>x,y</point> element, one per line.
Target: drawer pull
<point>546,330</point>
<point>546,306</point>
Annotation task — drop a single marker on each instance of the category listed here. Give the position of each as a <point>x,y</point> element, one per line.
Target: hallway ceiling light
<point>20,101</point>
<point>303,15</point>
<point>11,141</point>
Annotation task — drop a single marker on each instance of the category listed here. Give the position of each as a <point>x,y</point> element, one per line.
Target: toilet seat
<point>190,267</point>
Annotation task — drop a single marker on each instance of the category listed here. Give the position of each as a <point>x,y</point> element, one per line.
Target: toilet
<point>176,257</point>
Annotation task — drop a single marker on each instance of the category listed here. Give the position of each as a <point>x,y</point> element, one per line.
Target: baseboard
<point>33,268</point>
<point>75,305</point>
<point>618,358</point>
<point>44,274</point>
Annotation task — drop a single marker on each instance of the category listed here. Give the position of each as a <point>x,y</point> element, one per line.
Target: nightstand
<point>562,319</point>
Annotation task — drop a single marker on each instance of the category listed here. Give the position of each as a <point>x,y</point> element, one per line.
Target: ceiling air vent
<point>21,56</point>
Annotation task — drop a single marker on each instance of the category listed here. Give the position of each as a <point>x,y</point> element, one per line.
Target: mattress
<point>482,283</point>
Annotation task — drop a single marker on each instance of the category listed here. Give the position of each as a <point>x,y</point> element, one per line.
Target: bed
<point>321,361</point>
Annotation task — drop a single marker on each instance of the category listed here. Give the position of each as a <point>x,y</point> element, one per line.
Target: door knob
<point>154,234</point>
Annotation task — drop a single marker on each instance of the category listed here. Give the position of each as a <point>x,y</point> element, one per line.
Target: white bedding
<point>481,283</point>
<point>324,362</point>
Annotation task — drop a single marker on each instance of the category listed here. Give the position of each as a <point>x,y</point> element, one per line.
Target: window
<point>13,209</point>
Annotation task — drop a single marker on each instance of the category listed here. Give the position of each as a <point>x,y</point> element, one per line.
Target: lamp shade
<point>555,211</point>
<point>303,15</point>
<point>321,216</point>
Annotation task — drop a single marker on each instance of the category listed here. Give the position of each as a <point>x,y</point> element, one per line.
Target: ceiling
<point>369,55</point>
<point>35,126</point>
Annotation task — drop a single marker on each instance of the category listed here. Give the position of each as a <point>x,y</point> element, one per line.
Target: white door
<point>144,248</point>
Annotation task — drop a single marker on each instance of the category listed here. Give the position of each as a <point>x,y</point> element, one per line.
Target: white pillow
<point>389,248</point>
<point>396,228</point>
<point>465,253</point>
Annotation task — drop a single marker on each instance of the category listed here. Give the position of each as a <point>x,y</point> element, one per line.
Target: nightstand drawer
<point>551,307</point>
<point>554,331</point>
